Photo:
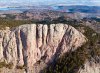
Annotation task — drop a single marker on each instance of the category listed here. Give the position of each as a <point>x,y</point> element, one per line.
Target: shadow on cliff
<point>70,58</point>
<point>70,62</point>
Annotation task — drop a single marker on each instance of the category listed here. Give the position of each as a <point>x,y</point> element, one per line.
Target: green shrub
<point>10,65</point>
<point>4,64</point>
<point>20,67</point>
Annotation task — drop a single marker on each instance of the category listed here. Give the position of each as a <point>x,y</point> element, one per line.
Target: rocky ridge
<point>25,45</point>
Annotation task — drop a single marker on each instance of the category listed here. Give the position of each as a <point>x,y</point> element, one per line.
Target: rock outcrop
<point>92,66</point>
<point>27,44</point>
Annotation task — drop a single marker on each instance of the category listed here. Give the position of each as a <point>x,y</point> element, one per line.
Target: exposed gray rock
<point>25,45</point>
<point>92,66</point>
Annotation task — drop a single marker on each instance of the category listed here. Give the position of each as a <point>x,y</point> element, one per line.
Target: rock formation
<point>25,45</point>
<point>92,66</point>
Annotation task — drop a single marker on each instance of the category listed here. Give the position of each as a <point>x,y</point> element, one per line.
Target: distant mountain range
<point>84,11</point>
<point>74,11</point>
<point>78,8</point>
<point>70,9</point>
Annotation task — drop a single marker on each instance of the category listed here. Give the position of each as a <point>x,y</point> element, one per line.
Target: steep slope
<point>92,64</point>
<point>86,59</point>
<point>91,67</point>
<point>25,45</point>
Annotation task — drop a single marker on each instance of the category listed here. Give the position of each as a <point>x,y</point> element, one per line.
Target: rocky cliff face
<point>28,44</point>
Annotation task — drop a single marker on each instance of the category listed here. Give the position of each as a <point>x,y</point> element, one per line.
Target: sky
<point>53,2</point>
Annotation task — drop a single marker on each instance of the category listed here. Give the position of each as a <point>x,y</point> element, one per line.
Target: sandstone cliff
<point>28,44</point>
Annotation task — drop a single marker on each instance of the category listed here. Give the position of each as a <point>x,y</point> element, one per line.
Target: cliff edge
<point>28,44</point>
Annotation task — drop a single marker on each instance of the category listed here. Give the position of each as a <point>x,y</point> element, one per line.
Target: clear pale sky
<point>48,2</point>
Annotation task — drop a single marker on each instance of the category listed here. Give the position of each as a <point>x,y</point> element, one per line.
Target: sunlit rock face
<point>27,44</point>
<point>92,66</point>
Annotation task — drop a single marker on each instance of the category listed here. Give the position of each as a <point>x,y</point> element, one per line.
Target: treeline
<point>61,19</point>
<point>12,23</point>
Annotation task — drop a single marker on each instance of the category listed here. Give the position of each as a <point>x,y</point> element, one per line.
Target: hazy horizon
<point>49,2</point>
